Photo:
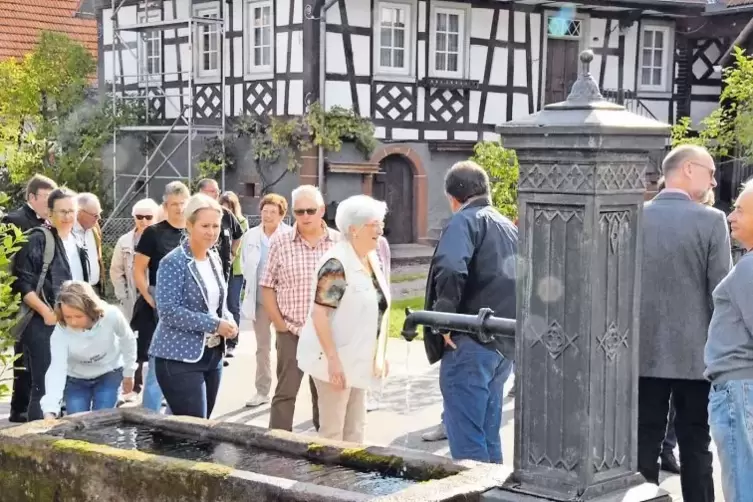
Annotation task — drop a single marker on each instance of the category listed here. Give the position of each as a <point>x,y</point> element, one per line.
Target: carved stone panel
<point>612,348</point>
<point>555,344</point>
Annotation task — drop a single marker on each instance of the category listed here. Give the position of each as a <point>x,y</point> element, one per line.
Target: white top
<point>210,282</point>
<point>74,259</point>
<point>110,344</point>
<point>87,241</point>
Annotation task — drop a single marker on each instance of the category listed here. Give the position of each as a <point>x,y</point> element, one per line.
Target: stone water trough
<point>138,456</point>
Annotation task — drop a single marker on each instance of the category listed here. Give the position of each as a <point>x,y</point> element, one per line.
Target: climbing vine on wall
<point>274,139</point>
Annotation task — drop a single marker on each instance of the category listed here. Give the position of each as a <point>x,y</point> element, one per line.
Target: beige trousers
<point>263,331</point>
<point>342,413</point>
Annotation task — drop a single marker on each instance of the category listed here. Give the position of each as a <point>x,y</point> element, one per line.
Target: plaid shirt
<point>289,271</point>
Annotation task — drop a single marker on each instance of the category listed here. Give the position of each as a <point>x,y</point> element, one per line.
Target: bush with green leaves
<point>501,164</point>
<point>11,241</point>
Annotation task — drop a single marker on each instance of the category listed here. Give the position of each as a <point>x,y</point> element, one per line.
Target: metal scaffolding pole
<point>149,86</point>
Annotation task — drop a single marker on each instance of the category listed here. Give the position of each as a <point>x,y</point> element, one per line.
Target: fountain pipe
<point>484,325</point>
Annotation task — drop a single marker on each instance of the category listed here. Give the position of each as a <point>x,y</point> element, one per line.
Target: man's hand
<point>448,341</point>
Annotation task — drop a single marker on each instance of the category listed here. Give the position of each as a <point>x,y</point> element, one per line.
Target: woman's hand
<point>383,371</point>
<point>48,416</point>
<point>336,372</point>
<point>127,385</point>
<point>227,329</point>
<point>50,319</point>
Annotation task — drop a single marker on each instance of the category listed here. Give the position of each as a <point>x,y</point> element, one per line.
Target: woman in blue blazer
<point>194,322</point>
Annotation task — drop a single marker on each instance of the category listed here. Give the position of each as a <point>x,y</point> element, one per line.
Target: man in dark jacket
<point>27,267</point>
<point>30,215</point>
<point>473,267</point>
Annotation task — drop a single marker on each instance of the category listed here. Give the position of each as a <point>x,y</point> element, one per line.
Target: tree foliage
<point>11,239</point>
<point>728,130</point>
<point>501,164</point>
<point>49,123</point>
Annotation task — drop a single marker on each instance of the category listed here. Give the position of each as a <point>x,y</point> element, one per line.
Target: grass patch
<point>397,314</point>
<point>407,277</point>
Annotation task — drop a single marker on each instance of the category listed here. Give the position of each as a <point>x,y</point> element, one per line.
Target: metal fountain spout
<point>484,325</point>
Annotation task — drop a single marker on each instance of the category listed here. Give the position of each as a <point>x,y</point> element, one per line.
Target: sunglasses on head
<point>309,211</point>
<point>147,217</point>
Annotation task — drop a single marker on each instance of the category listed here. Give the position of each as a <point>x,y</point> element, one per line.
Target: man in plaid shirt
<point>286,295</point>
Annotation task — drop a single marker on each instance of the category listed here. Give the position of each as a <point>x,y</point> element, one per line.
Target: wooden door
<point>394,185</point>
<point>561,68</point>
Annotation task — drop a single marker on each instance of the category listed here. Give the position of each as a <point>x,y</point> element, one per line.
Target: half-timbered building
<point>434,76</point>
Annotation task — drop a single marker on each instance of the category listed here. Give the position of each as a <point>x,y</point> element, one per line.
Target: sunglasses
<point>147,217</point>
<point>309,211</point>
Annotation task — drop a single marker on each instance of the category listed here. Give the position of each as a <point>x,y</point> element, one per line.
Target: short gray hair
<point>86,199</point>
<point>204,183</point>
<point>309,190</point>
<point>145,205</point>
<point>175,188</point>
<point>199,202</point>
<point>466,180</point>
<point>680,154</point>
<point>358,210</point>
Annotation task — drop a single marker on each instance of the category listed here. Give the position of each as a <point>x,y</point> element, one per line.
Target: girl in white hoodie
<point>93,351</point>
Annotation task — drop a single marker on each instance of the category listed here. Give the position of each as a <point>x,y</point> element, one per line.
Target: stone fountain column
<point>581,191</point>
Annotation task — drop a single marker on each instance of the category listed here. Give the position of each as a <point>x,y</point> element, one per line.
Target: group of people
<point>185,283</point>
<point>179,278</point>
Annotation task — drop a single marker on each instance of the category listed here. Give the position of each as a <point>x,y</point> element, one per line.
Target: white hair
<point>196,203</point>
<point>87,199</point>
<point>307,190</point>
<point>358,210</point>
<point>145,205</point>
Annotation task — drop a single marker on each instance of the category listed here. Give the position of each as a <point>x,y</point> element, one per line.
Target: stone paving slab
<point>411,404</point>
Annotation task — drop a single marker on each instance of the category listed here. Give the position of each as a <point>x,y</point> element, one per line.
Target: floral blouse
<point>331,283</point>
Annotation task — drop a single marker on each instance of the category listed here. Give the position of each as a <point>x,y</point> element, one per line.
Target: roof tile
<point>23,21</point>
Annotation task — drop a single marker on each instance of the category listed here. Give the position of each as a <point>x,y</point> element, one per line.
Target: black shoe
<point>18,418</point>
<point>225,363</point>
<point>669,463</point>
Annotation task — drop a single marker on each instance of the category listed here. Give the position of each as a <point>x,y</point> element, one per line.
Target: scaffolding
<point>185,126</point>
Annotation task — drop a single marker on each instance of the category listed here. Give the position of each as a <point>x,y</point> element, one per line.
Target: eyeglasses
<point>147,217</point>
<point>309,211</point>
<point>93,215</point>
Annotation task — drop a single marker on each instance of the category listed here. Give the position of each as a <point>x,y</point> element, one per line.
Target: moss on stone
<point>364,458</point>
<point>315,448</point>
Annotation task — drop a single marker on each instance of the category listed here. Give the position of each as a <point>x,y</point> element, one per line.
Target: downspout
<point>322,82</point>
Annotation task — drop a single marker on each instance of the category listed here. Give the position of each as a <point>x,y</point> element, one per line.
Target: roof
<point>22,22</point>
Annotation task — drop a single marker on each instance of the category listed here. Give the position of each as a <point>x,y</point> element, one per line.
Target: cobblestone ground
<point>411,404</point>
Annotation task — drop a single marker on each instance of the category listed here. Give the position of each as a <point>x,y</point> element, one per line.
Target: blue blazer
<point>182,306</point>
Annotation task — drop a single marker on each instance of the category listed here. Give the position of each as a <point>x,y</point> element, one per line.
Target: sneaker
<point>230,351</point>
<point>436,434</point>
<point>257,400</point>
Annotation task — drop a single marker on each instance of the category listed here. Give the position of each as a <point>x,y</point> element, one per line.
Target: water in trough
<point>245,458</point>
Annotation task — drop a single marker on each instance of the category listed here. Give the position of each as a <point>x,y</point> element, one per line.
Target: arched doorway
<point>394,185</point>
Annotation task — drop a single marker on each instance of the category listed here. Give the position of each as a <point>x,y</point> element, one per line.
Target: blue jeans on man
<point>472,378</point>
<point>100,393</point>
<point>731,424</point>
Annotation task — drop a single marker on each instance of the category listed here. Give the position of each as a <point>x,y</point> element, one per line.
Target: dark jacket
<point>230,230</point>
<point>27,265</point>
<point>473,267</point>
<point>24,218</point>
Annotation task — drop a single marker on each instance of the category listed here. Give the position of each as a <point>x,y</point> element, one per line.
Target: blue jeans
<point>191,388</point>
<point>731,423</point>
<point>471,378</point>
<point>234,289</point>
<point>152,394</point>
<point>99,393</point>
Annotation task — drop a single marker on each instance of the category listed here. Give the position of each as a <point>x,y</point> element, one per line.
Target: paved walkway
<point>411,404</point>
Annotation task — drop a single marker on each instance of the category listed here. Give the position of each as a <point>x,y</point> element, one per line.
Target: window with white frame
<point>150,49</point>
<point>655,58</point>
<point>394,39</point>
<point>448,43</point>
<point>208,56</point>
<point>259,36</point>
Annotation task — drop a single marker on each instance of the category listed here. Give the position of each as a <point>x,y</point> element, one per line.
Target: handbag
<point>25,313</point>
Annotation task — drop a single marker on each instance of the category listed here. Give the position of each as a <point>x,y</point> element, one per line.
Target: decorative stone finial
<point>585,89</point>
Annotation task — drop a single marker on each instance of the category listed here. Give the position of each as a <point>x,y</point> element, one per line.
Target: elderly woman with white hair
<point>144,214</point>
<point>343,342</point>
